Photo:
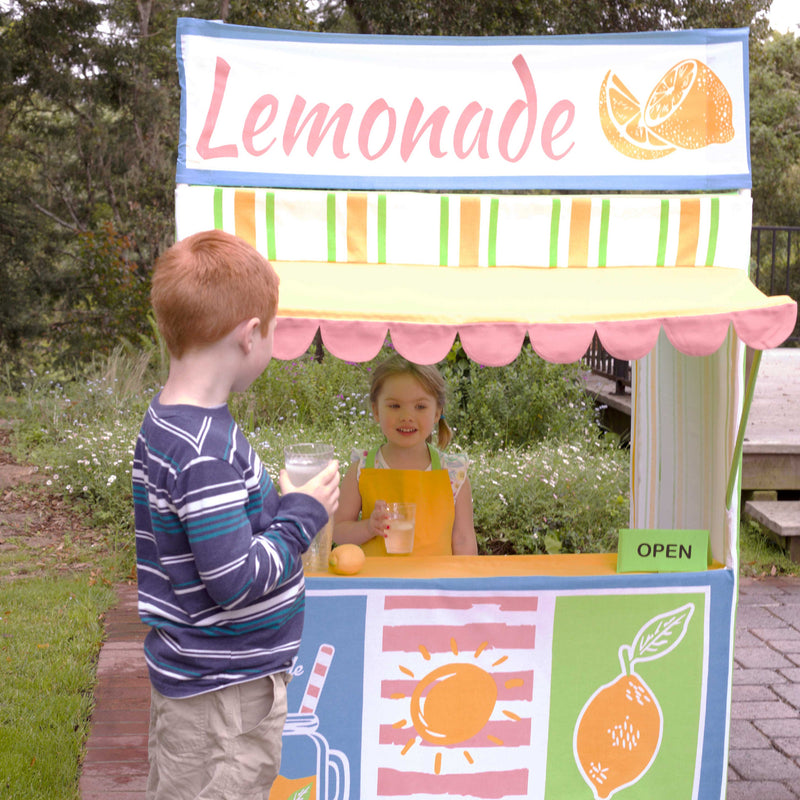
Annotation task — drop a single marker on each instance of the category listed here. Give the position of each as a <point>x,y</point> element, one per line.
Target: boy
<point>218,549</point>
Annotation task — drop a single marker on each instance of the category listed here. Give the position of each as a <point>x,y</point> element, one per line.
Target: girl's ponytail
<point>445,434</point>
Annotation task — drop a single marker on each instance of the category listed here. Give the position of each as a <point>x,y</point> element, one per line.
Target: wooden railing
<point>775,264</point>
<point>601,363</point>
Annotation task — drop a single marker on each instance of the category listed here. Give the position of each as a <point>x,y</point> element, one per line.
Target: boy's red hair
<point>206,284</point>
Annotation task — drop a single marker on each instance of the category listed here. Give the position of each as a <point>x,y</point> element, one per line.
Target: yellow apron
<point>430,490</point>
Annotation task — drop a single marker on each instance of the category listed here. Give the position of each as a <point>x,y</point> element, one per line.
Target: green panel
<point>590,630</point>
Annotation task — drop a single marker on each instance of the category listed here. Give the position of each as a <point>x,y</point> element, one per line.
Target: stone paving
<point>764,752</point>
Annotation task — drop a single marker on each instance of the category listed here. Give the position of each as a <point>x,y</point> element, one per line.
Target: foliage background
<point>558,485</point>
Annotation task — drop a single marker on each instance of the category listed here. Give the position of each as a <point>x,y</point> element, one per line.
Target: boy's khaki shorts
<point>222,745</point>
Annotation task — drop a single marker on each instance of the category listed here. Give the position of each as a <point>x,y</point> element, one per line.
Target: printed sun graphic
<point>452,704</point>
<point>688,108</point>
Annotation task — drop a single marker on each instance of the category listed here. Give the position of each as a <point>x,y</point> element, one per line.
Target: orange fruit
<point>618,734</point>
<point>346,559</point>
<point>621,121</point>
<point>690,107</point>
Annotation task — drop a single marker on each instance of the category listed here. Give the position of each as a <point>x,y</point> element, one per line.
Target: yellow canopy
<point>492,309</point>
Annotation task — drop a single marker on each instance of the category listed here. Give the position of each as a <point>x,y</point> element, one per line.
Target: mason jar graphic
<point>310,768</point>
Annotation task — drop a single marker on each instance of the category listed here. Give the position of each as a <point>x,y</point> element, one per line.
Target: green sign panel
<point>662,551</point>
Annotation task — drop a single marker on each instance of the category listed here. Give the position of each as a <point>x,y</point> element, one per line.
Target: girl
<point>407,402</point>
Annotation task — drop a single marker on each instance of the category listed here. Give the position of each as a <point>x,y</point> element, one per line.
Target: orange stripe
<point>357,227</point>
<point>688,232</point>
<point>579,232</point>
<point>244,215</point>
<point>470,232</point>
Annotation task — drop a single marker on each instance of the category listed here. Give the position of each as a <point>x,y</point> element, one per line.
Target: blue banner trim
<point>254,180</point>
<point>222,30</point>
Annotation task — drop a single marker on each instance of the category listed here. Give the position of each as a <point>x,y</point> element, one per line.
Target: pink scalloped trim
<point>496,344</point>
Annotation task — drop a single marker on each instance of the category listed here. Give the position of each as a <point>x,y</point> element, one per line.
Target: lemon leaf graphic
<point>657,637</point>
<point>301,794</point>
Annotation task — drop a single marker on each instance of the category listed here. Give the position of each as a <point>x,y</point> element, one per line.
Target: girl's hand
<point>378,521</point>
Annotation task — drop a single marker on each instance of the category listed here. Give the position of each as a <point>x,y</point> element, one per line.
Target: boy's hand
<point>378,520</point>
<point>323,487</point>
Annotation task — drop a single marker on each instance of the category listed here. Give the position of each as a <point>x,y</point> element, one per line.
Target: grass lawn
<point>50,635</point>
<point>57,579</point>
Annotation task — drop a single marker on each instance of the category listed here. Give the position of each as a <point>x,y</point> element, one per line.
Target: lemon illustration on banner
<point>618,732</point>
<point>688,108</point>
<point>621,120</point>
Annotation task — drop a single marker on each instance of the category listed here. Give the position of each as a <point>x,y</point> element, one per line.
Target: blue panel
<point>336,615</point>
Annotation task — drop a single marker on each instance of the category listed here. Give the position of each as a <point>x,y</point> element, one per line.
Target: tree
<point>537,17</point>
<point>82,134</point>
<point>89,107</point>
<point>775,131</point>
<point>89,117</point>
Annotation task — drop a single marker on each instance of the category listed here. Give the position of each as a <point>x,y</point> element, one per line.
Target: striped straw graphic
<point>316,680</point>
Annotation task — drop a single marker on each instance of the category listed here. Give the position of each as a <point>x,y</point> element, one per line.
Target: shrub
<point>553,497</point>
<point>525,402</point>
<point>543,478</point>
<point>81,434</point>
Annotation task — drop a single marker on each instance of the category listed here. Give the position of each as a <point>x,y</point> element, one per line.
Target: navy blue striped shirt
<point>217,551</point>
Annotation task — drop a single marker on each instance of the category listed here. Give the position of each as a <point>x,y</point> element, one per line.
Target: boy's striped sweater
<point>217,551</point>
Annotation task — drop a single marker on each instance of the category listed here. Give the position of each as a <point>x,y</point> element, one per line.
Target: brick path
<point>115,767</point>
<point>764,762</point>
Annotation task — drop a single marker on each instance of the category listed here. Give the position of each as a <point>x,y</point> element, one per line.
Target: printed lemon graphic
<point>621,120</point>
<point>618,734</point>
<point>690,107</point>
<point>618,731</point>
<point>346,559</point>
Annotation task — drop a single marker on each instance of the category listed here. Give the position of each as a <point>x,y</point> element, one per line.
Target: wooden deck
<point>771,458</point>
<point>771,451</point>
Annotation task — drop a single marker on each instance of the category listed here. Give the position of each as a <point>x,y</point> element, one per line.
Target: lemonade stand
<point>378,175</point>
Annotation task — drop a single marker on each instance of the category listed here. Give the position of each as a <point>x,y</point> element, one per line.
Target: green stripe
<point>444,229</point>
<point>331,226</point>
<point>555,218</point>
<point>381,228</point>
<point>662,234</point>
<point>605,215</point>
<point>713,232</point>
<point>270,213</point>
<point>494,208</point>
<point>218,208</point>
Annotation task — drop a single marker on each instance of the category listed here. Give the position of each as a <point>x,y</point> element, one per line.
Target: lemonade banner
<point>661,110</point>
<point>497,687</point>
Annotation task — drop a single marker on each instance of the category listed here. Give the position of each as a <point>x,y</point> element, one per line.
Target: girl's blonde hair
<point>428,377</point>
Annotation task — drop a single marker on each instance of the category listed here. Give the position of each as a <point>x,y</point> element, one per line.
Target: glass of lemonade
<point>303,461</point>
<point>400,531</point>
